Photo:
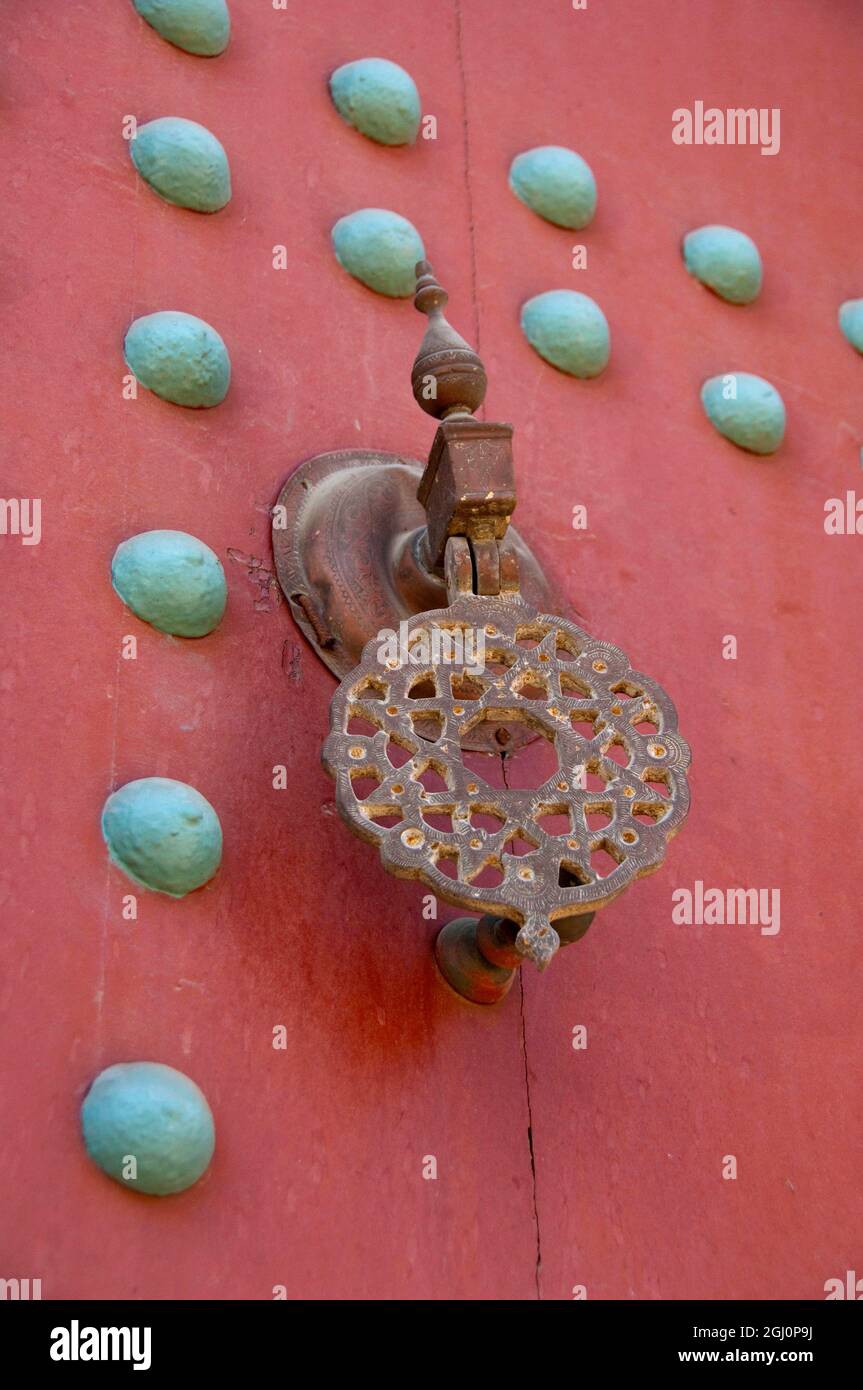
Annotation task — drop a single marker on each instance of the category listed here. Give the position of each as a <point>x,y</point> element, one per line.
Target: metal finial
<point>448,377</point>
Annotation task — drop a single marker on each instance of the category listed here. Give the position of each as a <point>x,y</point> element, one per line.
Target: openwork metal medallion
<point>603,818</point>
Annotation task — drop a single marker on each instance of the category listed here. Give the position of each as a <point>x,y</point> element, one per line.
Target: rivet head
<point>163,834</point>
<point>379,99</point>
<point>556,183</point>
<point>726,261</point>
<point>202,27</point>
<point>413,839</point>
<point>380,249</point>
<point>183,162</point>
<point>569,330</point>
<point>179,357</point>
<point>154,1116</point>
<point>172,581</point>
<point>745,409</point>
<point>851,322</point>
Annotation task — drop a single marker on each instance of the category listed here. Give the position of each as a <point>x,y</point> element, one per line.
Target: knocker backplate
<point>346,528</point>
<point>400,721</point>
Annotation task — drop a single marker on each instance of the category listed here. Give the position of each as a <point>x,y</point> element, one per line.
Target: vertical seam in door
<point>466,147</point>
<point>115,721</point>
<point>538,1264</point>
<point>478,345</point>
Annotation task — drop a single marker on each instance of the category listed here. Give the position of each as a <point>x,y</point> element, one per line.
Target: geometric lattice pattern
<point>600,820</point>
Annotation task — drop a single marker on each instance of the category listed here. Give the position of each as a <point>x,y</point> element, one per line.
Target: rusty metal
<point>447,375</point>
<point>348,537</point>
<point>446,643</point>
<point>359,537</point>
<point>543,671</point>
<point>479,958</point>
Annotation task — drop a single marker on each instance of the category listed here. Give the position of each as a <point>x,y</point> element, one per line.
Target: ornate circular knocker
<point>491,672</point>
<point>397,728</point>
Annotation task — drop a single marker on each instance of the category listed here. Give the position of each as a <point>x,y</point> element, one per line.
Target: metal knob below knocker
<point>489,669</point>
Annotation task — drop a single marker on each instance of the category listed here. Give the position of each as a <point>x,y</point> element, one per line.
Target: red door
<point>558,1168</point>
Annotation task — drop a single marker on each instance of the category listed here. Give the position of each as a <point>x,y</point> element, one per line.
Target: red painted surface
<point>703,1041</point>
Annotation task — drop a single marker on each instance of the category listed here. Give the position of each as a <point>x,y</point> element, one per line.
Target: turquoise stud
<point>379,99</point>
<point>202,27</point>
<point>183,162</point>
<point>380,249</point>
<point>726,261</point>
<point>745,409</point>
<point>556,183</point>
<point>179,357</point>
<point>163,834</point>
<point>148,1127</point>
<point>172,581</point>
<point>569,330</point>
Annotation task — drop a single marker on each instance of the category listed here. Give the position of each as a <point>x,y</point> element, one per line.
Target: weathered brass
<point>398,725</point>
<point>446,643</point>
<point>349,542</point>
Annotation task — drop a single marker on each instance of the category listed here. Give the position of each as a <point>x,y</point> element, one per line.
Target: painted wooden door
<point>558,1168</point>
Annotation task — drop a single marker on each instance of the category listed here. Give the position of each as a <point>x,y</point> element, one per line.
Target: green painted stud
<point>556,183</point>
<point>148,1127</point>
<point>183,162</point>
<point>745,409</point>
<point>379,99</point>
<point>726,261</point>
<point>202,27</point>
<point>163,834</point>
<point>569,330</point>
<point>379,248</point>
<point>851,322</point>
<point>179,357</point>
<point>172,581</point>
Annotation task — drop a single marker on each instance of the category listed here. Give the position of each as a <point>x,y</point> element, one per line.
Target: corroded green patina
<point>179,357</point>
<point>851,322</point>
<point>556,183</point>
<point>379,248</point>
<point>379,99</point>
<point>183,162</point>
<point>726,261</point>
<point>569,330</point>
<point>202,27</point>
<point>148,1127</point>
<point>172,581</point>
<point>163,834</point>
<point>745,409</point>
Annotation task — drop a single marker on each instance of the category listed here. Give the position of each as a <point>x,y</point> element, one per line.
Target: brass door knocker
<point>445,642</point>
